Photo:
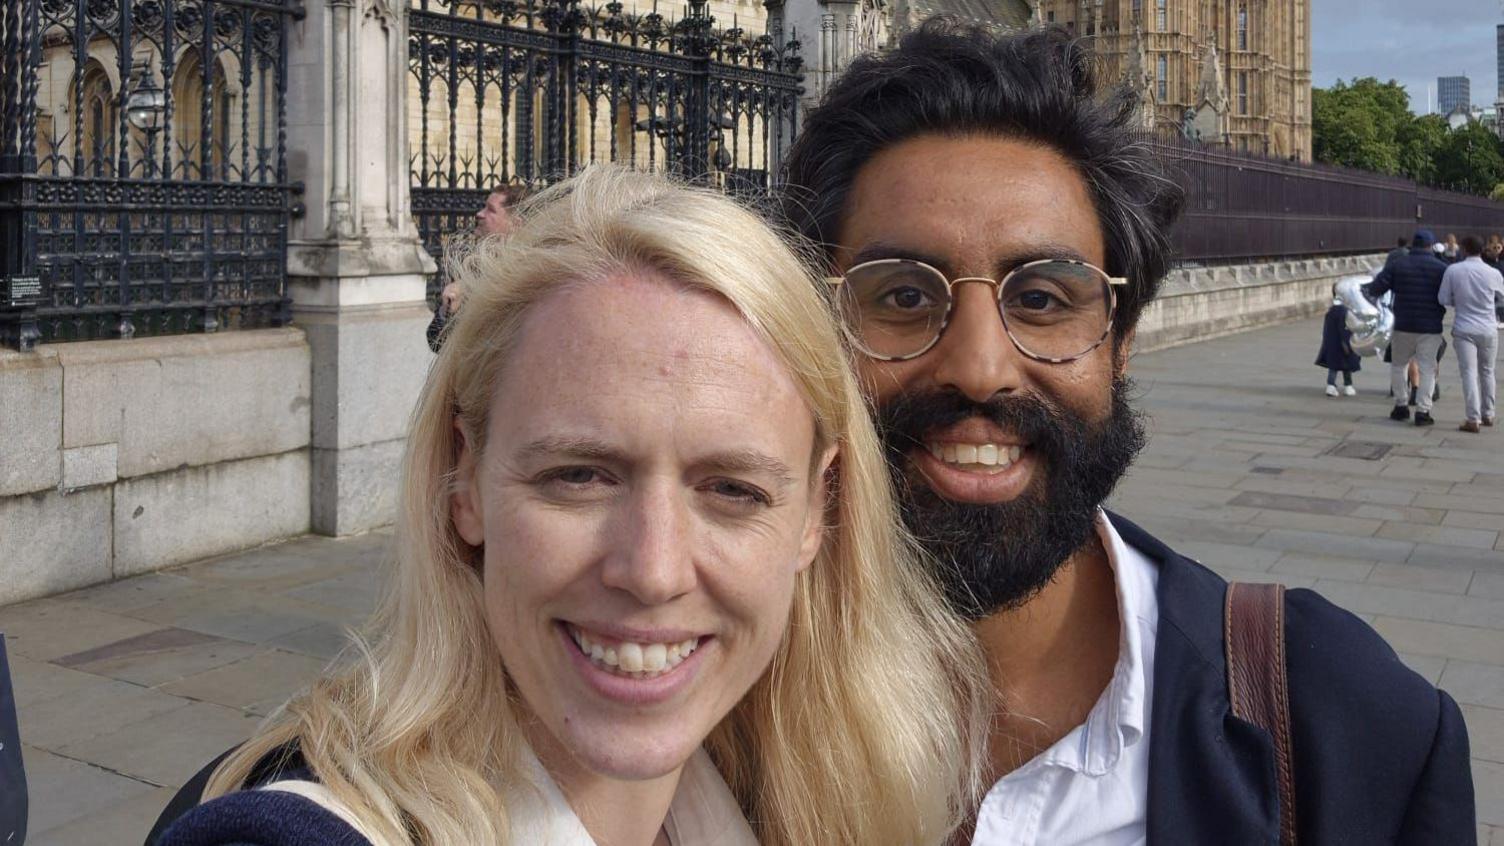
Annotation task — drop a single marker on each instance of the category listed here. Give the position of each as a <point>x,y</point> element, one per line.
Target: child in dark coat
<point>1336,353</point>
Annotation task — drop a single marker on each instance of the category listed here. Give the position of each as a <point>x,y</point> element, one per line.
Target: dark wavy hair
<point>955,78</point>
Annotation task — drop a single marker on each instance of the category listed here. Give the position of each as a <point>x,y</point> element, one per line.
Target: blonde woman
<point>649,584</point>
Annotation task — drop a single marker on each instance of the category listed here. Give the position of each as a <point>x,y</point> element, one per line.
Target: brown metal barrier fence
<point>1242,207</point>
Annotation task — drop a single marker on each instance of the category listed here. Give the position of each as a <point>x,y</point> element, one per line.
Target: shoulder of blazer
<point>263,818</point>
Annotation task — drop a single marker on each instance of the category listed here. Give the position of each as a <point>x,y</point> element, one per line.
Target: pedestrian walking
<point>1474,289</point>
<point>1415,280</point>
<point>1451,253</point>
<point>1336,353</point>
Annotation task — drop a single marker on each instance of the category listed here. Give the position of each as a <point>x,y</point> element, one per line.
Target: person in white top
<point>1475,290</point>
<point>650,587</point>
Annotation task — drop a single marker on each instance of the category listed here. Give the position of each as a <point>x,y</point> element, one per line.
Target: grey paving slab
<point>1313,505</point>
<point>1331,543</point>
<point>166,749</point>
<point>256,683</point>
<point>46,629</point>
<point>1439,535</point>
<point>1488,783</point>
<point>1403,514</point>
<point>1485,728</point>
<point>1433,579</point>
<point>158,657</point>
<point>1489,585</point>
<point>1473,683</point>
<point>125,822</point>
<point>61,790</point>
<point>1323,567</point>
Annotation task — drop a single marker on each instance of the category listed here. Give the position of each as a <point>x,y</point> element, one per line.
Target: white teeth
<point>629,656</point>
<point>654,657</point>
<point>637,660</point>
<point>987,455</point>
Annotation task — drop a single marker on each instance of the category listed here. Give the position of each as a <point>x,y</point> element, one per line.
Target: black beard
<point>998,556</point>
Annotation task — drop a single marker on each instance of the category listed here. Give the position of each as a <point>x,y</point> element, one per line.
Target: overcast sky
<point>1407,41</point>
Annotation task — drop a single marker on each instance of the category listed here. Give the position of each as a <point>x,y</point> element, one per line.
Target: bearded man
<point>994,227</point>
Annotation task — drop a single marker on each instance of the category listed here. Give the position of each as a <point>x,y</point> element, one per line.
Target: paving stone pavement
<point>125,689</point>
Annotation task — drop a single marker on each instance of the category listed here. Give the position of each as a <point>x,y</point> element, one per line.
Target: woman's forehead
<point>636,344</point>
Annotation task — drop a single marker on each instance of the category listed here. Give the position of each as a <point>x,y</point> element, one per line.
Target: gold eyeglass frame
<point>997,285</point>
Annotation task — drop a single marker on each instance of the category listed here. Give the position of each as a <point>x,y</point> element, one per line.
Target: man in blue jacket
<point>994,228</point>
<point>1415,279</point>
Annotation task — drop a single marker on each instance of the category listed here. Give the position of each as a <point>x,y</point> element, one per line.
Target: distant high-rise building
<point>1453,93</point>
<point>1499,52</point>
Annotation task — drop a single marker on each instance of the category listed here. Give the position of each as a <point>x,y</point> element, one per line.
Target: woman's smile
<point>633,672</point>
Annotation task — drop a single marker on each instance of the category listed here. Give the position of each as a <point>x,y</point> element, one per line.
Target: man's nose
<point>652,558</point>
<point>975,355</point>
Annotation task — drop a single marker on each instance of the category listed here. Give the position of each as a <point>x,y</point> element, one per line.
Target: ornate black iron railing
<point>143,185</point>
<point>528,91</point>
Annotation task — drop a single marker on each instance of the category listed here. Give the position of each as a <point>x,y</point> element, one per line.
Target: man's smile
<point>973,461</point>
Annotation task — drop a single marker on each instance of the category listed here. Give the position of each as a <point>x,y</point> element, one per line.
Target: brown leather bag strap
<point>1257,683</point>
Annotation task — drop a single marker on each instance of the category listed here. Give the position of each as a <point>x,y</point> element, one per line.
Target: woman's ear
<point>465,508</point>
<point>822,489</point>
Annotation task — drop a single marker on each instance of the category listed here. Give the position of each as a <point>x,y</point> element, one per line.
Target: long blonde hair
<point>866,727</point>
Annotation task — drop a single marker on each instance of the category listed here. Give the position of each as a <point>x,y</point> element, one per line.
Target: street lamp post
<point>144,108</point>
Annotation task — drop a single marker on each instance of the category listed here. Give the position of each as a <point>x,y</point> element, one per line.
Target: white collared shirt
<point>1092,786</point>
<point>703,811</point>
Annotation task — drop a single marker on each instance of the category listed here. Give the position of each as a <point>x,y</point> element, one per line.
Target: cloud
<point>1393,39</point>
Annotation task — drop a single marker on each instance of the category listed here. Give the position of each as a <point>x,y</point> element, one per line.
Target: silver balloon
<point>1371,323</point>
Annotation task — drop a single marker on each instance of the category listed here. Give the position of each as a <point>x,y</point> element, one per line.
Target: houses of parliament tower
<point>1230,72</point>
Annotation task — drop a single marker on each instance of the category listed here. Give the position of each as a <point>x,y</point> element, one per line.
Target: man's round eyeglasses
<point>1054,310</point>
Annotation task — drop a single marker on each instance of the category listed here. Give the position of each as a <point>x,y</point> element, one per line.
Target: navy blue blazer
<point>1381,756</point>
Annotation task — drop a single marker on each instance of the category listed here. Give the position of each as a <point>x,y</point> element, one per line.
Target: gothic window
<point>1050,16</point>
<point>1138,10</point>
<point>1161,78</point>
<point>1242,27</point>
<point>96,104</point>
<point>1242,92</point>
<point>1161,16</point>
<point>197,156</point>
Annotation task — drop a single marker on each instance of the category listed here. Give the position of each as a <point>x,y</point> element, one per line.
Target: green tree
<point>1419,141</point>
<point>1359,123</point>
<point>1470,159</point>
